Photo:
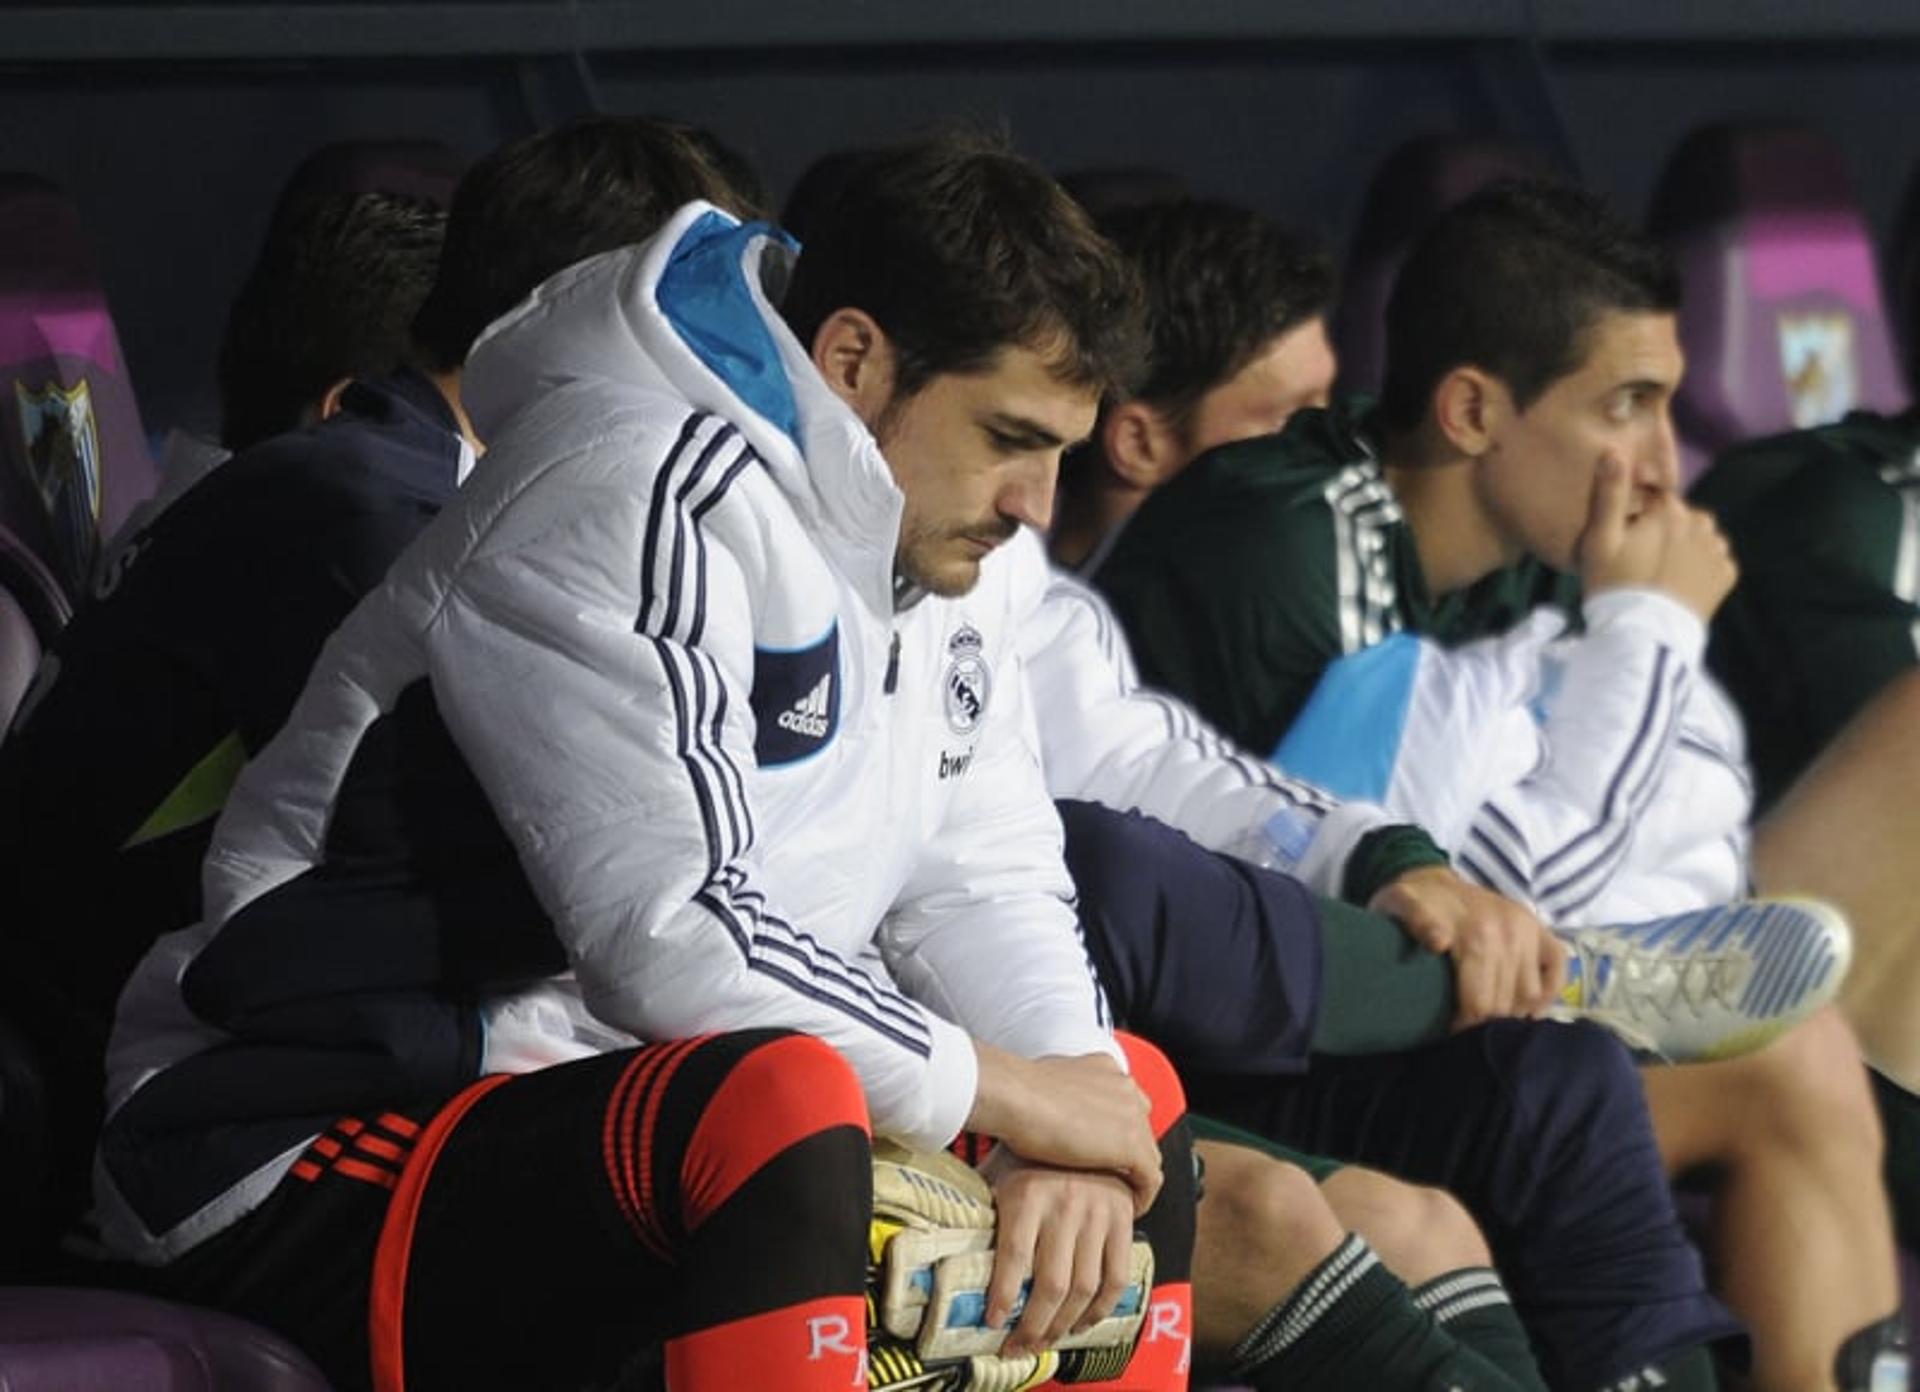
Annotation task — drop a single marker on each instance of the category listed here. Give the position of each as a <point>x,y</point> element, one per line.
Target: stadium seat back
<point>73,457</point>
<point>54,1338</point>
<point>1413,186</point>
<point>19,655</point>
<point>1782,318</point>
<point>57,1338</point>
<point>33,608</point>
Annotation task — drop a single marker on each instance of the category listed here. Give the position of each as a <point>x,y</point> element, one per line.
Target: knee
<point>783,1113</point>
<point>1269,1211</point>
<point>1419,1233</point>
<point>1811,1088</point>
<point>1584,1066</point>
<point>1576,1085</point>
<point>788,1079</point>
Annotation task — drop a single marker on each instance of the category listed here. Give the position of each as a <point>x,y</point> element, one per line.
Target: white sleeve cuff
<point>1652,612</point>
<point>953,1077</point>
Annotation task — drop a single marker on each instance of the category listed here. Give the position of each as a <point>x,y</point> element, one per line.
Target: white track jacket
<point>1601,776</point>
<point>660,625</point>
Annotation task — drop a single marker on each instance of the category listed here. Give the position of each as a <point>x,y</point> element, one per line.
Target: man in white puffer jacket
<point>645,739</point>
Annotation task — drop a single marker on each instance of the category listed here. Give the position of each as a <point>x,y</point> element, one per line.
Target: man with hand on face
<point>1531,360</point>
<point>1259,990</point>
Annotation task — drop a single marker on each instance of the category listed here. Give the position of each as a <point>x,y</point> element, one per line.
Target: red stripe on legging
<point>387,1305</point>
<point>616,1137</point>
<point>612,1144</point>
<point>643,1141</point>
<point>360,1169</point>
<point>1166,1099</point>
<point>816,1346</point>
<point>626,1157</point>
<point>775,1097</point>
<point>380,1146</point>
<point>399,1125</point>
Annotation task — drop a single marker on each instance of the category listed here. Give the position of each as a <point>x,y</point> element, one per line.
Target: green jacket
<point>1826,526</point>
<point>1267,559</point>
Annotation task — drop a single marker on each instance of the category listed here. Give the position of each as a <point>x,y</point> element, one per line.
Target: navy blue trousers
<point>1540,1129</point>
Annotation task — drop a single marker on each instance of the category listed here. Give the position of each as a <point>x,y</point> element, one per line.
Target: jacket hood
<point>690,313</point>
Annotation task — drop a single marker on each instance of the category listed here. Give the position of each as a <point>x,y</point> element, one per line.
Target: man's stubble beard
<point>916,558</point>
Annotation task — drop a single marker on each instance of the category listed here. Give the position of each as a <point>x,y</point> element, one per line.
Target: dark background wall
<point>172,136</point>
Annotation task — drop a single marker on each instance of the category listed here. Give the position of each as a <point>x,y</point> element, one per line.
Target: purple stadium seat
<point>75,1339</point>
<point>73,459</point>
<point>87,1338</point>
<point>1413,185</point>
<point>60,1340</point>
<point>19,655</point>
<point>1783,320</point>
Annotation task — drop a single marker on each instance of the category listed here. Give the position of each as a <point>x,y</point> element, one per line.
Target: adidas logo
<point>808,715</point>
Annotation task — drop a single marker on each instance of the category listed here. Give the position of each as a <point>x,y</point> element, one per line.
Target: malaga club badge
<point>967,682</point>
<point>63,462</point>
<point>1821,369</point>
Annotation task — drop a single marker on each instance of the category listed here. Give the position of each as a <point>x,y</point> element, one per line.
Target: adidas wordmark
<point>808,715</point>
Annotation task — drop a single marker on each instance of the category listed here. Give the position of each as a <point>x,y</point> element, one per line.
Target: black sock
<point>1352,1324</point>
<point>1473,1306</point>
<point>1875,1359</point>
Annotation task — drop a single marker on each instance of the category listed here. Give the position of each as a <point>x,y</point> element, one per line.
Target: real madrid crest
<point>967,683</point>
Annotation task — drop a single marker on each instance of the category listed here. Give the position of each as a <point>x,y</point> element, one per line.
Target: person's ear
<point>329,404</point>
<point>1469,407</point>
<point>1139,445</point>
<point>856,359</point>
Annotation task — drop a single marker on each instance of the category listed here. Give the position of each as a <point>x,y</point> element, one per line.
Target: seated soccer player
<point>1266,1230</point>
<point>1246,376</point>
<point>330,298</point>
<point>1187,941</point>
<point>189,658</point>
<point>1530,338</point>
<point>1425,1238</point>
<point>600,797</point>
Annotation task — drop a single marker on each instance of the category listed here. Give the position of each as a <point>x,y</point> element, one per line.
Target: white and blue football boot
<point>1711,984</point>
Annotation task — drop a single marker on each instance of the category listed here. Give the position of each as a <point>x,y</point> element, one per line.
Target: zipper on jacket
<point>893,666</point>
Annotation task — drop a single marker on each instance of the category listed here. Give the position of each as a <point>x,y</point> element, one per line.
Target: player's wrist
<point>1002,1092</point>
